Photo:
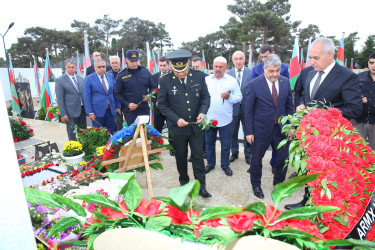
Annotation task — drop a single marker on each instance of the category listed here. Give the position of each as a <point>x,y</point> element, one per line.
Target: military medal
<point>196,93</point>
<point>174,90</point>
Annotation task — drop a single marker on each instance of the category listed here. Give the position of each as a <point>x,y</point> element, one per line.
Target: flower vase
<point>75,159</point>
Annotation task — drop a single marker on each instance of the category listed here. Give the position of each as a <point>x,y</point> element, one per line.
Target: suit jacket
<point>183,101</point>
<point>298,88</point>
<point>259,70</point>
<point>341,89</point>
<point>245,81</point>
<point>96,97</point>
<point>260,108</point>
<point>68,97</point>
<point>91,69</point>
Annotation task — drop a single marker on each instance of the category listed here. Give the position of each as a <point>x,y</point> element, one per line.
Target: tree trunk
<point>264,35</point>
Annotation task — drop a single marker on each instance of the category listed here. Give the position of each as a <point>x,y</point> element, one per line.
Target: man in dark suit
<point>329,84</point>
<point>298,88</point>
<point>242,75</point>
<point>100,103</point>
<point>159,118</point>
<point>184,99</point>
<point>69,94</point>
<point>114,61</point>
<point>96,55</point>
<point>268,97</point>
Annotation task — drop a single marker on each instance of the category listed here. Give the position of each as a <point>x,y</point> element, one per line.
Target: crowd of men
<point>186,96</point>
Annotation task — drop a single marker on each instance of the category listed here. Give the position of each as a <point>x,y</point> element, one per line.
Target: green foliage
<point>20,129</point>
<point>92,138</point>
<point>366,51</point>
<point>41,114</point>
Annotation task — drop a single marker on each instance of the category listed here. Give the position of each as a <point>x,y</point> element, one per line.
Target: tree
<point>349,43</point>
<point>310,32</point>
<point>106,28</point>
<point>366,51</point>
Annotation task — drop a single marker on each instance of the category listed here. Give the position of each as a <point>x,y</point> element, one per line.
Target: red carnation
<point>148,209</point>
<point>23,123</point>
<point>242,221</point>
<point>156,90</point>
<point>214,123</point>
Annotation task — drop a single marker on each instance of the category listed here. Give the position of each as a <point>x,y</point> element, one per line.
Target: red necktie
<point>274,96</point>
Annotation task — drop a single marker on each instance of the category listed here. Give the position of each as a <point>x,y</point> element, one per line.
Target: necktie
<point>274,96</point>
<point>104,86</point>
<point>239,78</point>
<point>182,81</point>
<point>316,85</point>
<point>75,83</point>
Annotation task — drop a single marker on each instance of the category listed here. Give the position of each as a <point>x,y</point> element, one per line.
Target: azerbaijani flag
<point>87,61</point>
<point>295,68</point>
<point>15,101</point>
<point>155,63</point>
<point>122,59</point>
<point>150,61</point>
<point>79,69</point>
<point>302,60</point>
<point>351,64</point>
<point>345,63</point>
<point>45,98</point>
<point>37,77</point>
<point>340,52</point>
<point>308,63</point>
<point>250,65</point>
<point>204,62</point>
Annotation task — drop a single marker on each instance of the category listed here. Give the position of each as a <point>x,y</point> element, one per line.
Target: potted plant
<point>72,152</point>
<point>92,138</point>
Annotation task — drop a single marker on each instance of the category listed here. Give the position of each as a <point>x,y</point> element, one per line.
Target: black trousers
<point>159,120</point>
<point>259,148</point>
<point>180,144</point>
<point>80,121</point>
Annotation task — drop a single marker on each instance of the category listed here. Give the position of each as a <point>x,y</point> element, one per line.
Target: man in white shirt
<point>69,95</point>
<point>224,92</point>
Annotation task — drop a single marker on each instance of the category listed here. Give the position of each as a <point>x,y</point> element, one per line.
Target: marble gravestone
<point>24,96</point>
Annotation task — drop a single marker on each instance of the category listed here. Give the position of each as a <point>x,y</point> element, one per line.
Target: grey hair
<point>327,44</point>
<point>114,57</point>
<point>70,61</point>
<point>272,59</point>
<point>98,60</point>
<point>239,51</point>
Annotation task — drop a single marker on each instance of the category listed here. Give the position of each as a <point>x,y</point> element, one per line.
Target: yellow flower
<point>72,145</point>
<point>100,151</point>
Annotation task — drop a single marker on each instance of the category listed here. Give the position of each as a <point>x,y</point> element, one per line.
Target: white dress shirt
<point>270,85</point>
<point>326,72</point>
<point>105,80</point>
<point>222,109</point>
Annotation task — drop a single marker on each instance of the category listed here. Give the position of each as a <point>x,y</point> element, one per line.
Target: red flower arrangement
<point>36,169</point>
<point>326,143</point>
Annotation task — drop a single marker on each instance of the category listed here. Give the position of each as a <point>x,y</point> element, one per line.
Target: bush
<point>41,114</point>
<point>92,138</point>
<point>20,130</point>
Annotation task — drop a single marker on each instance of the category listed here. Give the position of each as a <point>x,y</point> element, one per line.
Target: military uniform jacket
<point>183,101</point>
<point>132,85</point>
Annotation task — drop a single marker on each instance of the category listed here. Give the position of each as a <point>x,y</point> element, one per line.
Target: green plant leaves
<point>42,197</point>
<point>256,208</point>
<point>132,194</point>
<point>349,242</point>
<point>63,224</point>
<point>170,202</point>
<point>158,223</point>
<point>77,208</point>
<point>99,200</point>
<point>217,212</point>
<point>118,180</point>
<point>302,213</point>
<point>179,194</point>
<point>285,189</point>
<point>292,233</point>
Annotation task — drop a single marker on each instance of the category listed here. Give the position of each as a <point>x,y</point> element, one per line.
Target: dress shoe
<point>291,206</point>
<point>209,168</point>
<point>227,171</point>
<point>258,192</point>
<point>248,160</point>
<point>204,155</point>
<point>190,159</point>
<point>203,192</point>
<point>172,153</point>
<point>293,175</point>
<point>233,157</point>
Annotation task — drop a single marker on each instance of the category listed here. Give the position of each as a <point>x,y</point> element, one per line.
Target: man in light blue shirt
<point>224,92</point>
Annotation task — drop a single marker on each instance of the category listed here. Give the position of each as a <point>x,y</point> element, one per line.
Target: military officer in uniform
<point>132,84</point>
<point>184,99</point>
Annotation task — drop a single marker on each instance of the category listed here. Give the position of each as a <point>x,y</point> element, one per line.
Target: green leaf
<point>292,233</point>
<point>340,219</point>
<point>217,212</point>
<point>77,208</point>
<point>98,200</point>
<point>286,189</point>
<point>170,202</point>
<point>282,143</point>
<point>158,223</point>
<point>42,197</point>
<point>349,242</point>
<point>132,194</point>
<point>333,183</point>
<point>63,224</point>
<point>80,243</point>
<point>302,213</point>
<point>90,242</point>
<point>179,194</point>
<point>118,180</point>
<point>256,208</point>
